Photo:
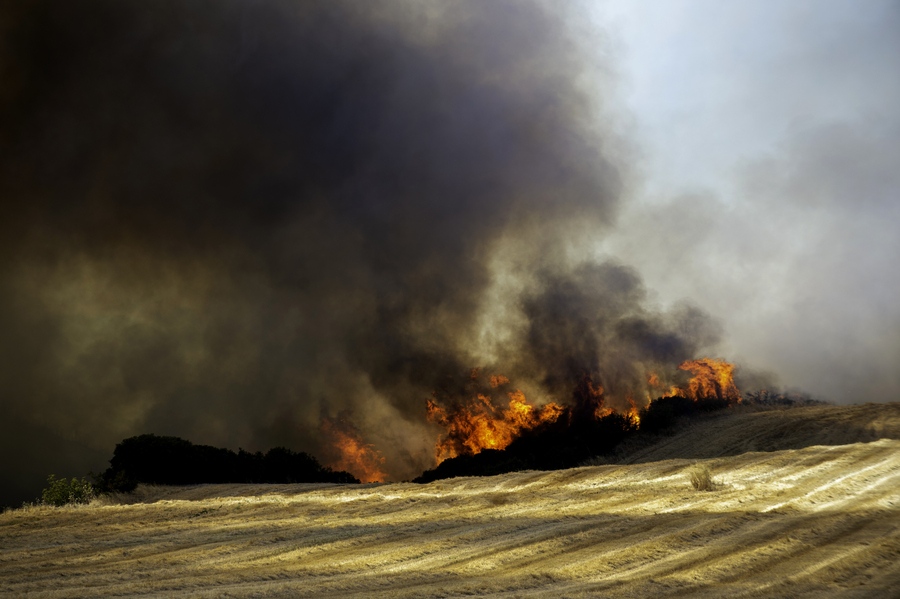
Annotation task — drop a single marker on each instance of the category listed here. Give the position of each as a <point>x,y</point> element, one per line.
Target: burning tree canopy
<point>712,379</point>
<point>481,425</point>
<point>473,426</point>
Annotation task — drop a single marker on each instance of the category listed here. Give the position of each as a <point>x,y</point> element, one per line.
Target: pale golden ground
<point>817,522</point>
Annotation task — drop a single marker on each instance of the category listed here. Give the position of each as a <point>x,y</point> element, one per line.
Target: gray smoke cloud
<point>226,220</point>
<point>595,321</point>
<point>771,188</point>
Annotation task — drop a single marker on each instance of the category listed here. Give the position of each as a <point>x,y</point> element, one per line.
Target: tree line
<point>160,460</point>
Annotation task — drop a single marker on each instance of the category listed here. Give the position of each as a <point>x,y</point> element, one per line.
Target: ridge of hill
<point>747,428</point>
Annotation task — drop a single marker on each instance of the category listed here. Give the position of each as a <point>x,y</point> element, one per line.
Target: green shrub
<point>62,492</point>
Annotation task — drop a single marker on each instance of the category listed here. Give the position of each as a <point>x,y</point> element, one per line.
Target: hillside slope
<point>733,432</point>
<point>817,522</point>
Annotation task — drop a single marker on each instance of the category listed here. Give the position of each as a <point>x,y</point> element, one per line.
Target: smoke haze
<point>234,221</point>
<point>229,221</point>
<point>769,190</point>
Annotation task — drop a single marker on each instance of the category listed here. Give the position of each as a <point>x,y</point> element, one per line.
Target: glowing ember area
<point>496,381</point>
<point>712,379</point>
<point>589,399</point>
<point>360,459</point>
<point>633,411</point>
<point>482,425</point>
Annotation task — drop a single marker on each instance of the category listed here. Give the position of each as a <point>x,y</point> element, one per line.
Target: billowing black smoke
<point>595,321</point>
<point>224,219</point>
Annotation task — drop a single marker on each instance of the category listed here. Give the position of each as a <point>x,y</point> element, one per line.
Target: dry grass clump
<point>701,478</point>
<point>143,493</point>
<point>596,461</point>
<point>498,499</point>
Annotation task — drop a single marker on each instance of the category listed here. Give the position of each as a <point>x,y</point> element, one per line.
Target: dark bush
<point>554,446</point>
<point>664,413</point>
<point>162,460</point>
<point>768,398</point>
<point>487,463</point>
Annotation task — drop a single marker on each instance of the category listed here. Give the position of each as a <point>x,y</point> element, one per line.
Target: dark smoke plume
<point>595,322</point>
<point>223,220</point>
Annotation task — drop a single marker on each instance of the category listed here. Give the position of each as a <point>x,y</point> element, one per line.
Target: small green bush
<point>62,492</point>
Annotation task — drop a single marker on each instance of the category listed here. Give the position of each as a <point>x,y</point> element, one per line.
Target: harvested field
<point>822,521</point>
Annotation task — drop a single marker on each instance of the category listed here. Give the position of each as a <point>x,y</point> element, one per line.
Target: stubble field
<point>823,521</point>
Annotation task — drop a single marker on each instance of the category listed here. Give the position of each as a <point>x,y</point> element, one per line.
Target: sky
<point>769,190</point>
<point>233,222</point>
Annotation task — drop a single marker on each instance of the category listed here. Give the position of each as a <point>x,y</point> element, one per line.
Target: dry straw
<point>701,479</point>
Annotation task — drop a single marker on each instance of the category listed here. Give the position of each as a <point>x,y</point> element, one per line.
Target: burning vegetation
<point>498,430</point>
<point>484,436</point>
<point>481,436</point>
<point>351,453</point>
<point>481,425</point>
<point>712,379</point>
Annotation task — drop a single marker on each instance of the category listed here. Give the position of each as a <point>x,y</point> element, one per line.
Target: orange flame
<point>360,459</point>
<point>496,381</point>
<point>633,411</point>
<point>712,379</point>
<point>482,425</point>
